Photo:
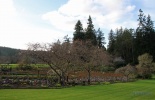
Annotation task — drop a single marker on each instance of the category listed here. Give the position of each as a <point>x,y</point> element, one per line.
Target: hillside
<point>8,55</point>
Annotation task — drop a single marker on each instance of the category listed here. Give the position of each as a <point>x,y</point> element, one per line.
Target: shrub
<point>106,83</point>
<point>129,71</point>
<point>58,85</point>
<point>5,69</point>
<point>145,67</point>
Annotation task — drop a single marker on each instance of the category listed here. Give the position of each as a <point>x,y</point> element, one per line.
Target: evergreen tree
<point>121,45</point>
<point>111,42</point>
<point>118,42</point>
<point>127,45</point>
<point>149,36</point>
<point>90,32</point>
<point>149,23</point>
<point>145,35</point>
<point>79,33</point>
<point>141,19</point>
<point>66,39</point>
<point>124,44</point>
<point>100,39</point>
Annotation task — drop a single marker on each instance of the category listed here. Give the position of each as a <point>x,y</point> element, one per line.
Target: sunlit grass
<point>140,90</point>
<point>33,65</point>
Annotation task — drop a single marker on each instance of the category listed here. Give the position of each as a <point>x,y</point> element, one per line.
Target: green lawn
<point>140,90</point>
<point>33,65</point>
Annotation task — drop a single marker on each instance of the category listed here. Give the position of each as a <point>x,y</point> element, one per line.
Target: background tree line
<point>9,55</point>
<point>131,43</point>
<point>96,37</point>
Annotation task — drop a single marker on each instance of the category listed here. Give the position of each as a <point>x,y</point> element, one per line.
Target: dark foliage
<point>9,55</point>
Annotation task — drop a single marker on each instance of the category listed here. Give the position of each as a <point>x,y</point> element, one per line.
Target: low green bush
<point>58,85</point>
<point>106,83</point>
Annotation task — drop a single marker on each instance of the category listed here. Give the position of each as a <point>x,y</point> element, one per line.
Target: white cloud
<point>19,28</point>
<point>21,34</point>
<point>105,13</point>
<point>17,33</point>
<point>7,8</point>
<point>7,13</point>
<point>59,20</point>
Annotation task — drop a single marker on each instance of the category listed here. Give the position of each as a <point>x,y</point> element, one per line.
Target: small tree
<point>25,61</point>
<point>89,57</point>
<point>57,55</point>
<point>129,71</point>
<point>145,66</point>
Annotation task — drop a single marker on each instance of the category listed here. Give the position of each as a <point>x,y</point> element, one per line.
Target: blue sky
<point>39,6</point>
<point>45,21</point>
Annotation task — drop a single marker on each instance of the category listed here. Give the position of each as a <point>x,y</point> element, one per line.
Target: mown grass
<point>140,90</point>
<point>33,65</point>
<point>9,65</point>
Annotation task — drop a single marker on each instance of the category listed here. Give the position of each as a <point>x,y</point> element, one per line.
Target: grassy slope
<point>140,90</point>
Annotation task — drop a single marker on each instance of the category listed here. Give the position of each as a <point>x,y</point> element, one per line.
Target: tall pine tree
<point>90,32</point>
<point>79,32</point>
<point>100,39</point>
<point>145,35</point>
<point>111,44</point>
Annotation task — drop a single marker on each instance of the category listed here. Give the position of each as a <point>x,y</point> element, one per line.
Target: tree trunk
<point>63,80</point>
<point>89,76</point>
